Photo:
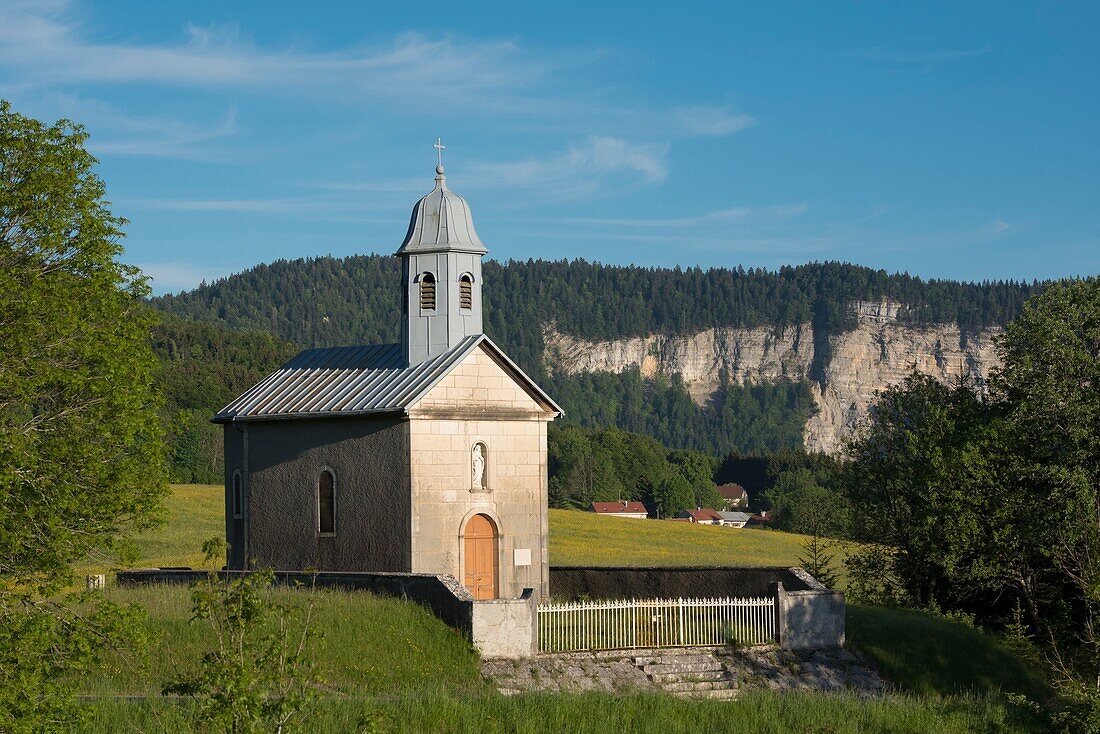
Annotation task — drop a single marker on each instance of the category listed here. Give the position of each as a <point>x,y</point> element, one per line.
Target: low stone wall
<point>501,628</point>
<point>506,628</point>
<point>690,582</point>
<point>811,617</point>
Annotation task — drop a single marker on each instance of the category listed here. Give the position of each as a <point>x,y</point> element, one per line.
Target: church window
<point>427,292</point>
<point>326,503</point>
<point>466,291</point>
<point>238,498</point>
<point>479,461</point>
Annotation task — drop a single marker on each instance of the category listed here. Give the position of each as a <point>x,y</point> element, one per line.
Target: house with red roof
<point>623,508</point>
<point>701,516</point>
<point>734,495</point>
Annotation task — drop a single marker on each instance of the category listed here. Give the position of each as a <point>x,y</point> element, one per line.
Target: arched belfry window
<point>326,503</point>
<point>238,496</point>
<point>466,291</point>
<point>427,292</point>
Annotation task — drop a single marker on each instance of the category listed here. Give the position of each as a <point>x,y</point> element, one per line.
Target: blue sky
<point>946,141</point>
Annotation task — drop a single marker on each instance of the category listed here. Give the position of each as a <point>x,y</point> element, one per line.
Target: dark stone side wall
<point>639,582</point>
<point>369,457</point>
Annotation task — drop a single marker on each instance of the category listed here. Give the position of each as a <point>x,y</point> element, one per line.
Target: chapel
<point>425,456</point>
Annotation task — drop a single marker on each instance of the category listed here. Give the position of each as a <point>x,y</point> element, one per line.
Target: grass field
<point>582,538</point>
<point>389,665</point>
<point>196,513</point>
<point>593,713</point>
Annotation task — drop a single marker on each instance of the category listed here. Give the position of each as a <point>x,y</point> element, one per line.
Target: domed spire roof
<point>441,220</point>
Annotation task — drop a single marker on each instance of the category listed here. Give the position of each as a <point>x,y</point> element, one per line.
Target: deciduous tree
<point>81,450</point>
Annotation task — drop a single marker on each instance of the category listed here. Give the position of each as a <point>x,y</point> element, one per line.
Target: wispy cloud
<point>119,133</point>
<point>733,214</point>
<point>163,138</point>
<point>43,48</point>
<point>260,206</point>
<point>584,168</point>
<point>877,240</point>
<point>712,121</point>
<point>919,57</point>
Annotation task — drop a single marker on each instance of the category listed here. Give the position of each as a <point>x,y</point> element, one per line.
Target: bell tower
<point>441,272</point>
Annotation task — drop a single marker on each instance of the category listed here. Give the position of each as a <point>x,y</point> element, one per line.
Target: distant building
<point>734,495</point>
<point>701,516</point>
<point>623,508</point>
<point>735,519</point>
<point>760,520</point>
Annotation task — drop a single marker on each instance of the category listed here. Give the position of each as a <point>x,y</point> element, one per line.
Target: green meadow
<point>390,666</point>
<point>195,513</point>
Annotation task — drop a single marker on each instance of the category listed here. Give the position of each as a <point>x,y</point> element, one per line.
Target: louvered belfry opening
<point>427,292</point>
<point>466,292</point>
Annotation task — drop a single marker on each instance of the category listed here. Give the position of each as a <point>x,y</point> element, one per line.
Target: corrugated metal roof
<point>352,381</point>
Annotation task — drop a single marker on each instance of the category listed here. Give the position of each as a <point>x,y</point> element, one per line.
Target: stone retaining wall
<point>809,617</point>
<point>690,582</point>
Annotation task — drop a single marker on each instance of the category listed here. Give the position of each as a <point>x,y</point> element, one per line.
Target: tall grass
<point>759,711</point>
<point>369,644</point>
<point>927,654</point>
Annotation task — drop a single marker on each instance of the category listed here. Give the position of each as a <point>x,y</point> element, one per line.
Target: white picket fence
<point>634,623</point>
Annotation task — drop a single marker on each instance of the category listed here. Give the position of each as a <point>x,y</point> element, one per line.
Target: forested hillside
<point>356,300</point>
<point>202,367</point>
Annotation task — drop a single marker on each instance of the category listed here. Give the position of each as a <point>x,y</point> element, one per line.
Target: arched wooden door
<point>481,557</point>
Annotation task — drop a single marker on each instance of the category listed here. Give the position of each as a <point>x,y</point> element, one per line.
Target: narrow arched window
<point>466,291</point>
<point>427,292</point>
<point>238,498</point>
<point>326,503</point>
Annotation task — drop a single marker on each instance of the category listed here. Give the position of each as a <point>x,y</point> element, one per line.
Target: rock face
<point>846,370</point>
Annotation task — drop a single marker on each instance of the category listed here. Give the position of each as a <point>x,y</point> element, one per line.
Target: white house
<point>734,519</point>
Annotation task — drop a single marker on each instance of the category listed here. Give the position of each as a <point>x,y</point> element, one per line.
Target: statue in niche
<point>479,467</point>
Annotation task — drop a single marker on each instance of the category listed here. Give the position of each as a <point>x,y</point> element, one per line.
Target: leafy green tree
<point>910,477</point>
<point>1050,387</point>
<point>673,495</point>
<point>258,675</point>
<point>698,468</point>
<point>801,505</point>
<point>81,442</point>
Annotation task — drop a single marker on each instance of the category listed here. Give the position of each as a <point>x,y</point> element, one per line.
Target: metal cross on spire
<point>439,148</point>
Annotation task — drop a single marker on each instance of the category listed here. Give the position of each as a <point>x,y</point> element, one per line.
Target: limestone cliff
<point>846,369</point>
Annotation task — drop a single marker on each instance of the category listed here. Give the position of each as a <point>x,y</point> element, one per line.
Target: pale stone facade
<point>480,403</point>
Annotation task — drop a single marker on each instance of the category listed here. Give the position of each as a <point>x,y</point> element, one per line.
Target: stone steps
<point>696,676</point>
<point>703,685</point>
<point>723,694</point>
<point>688,673</point>
<point>676,668</point>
